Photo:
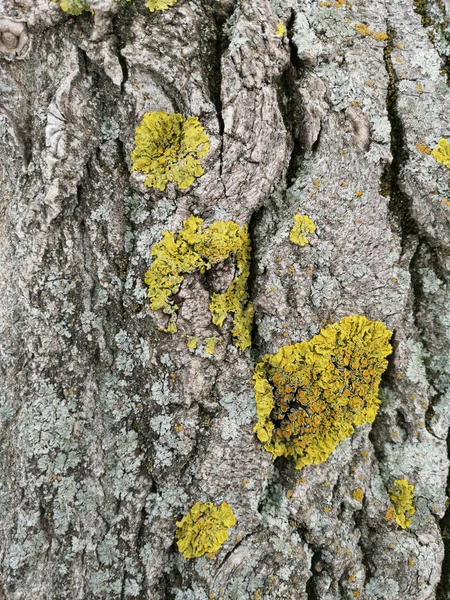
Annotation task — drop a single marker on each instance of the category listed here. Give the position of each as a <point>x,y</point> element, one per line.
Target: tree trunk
<point>112,428</point>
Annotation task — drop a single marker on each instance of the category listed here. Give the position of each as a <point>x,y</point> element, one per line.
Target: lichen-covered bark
<point>111,429</point>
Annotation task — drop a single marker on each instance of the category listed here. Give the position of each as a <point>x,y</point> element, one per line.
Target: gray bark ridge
<point>111,429</point>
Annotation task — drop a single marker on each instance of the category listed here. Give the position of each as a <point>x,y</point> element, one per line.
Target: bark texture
<point>112,429</point>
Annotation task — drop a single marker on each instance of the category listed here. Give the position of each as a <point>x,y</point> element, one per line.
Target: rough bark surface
<point>110,428</point>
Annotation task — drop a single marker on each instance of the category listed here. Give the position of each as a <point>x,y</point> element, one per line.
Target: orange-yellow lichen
<point>310,396</point>
<point>168,147</point>
<point>362,29</point>
<point>423,148</point>
<point>380,37</point>
<point>442,152</point>
<point>303,226</point>
<point>402,495</point>
<point>196,248</point>
<point>204,529</point>
<point>358,494</point>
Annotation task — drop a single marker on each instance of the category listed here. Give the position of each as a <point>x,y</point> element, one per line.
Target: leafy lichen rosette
<point>204,529</point>
<point>310,396</point>
<point>168,147</point>
<point>194,248</point>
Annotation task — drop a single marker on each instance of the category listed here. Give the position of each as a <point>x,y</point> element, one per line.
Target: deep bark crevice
<point>399,203</point>
<point>253,225</point>
<point>290,103</point>
<point>310,586</point>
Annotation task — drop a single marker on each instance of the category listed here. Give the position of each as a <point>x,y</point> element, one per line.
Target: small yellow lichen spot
<point>210,344</point>
<point>303,225</point>
<point>446,201</point>
<point>192,342</point>
<point>153,5</point>
<point>310,396</point>
<point>204,529</point>
<point>281,30</point>
<point>75,7</point>
<point>357,594</point>
<point>442,152</point>
<point>168,147</point>
<point>423,148</point>
<point>359,193</point>
<point>200,249</point>
<point>419,88</point>
<point>289,494</point>
<point>411,562</point>
<point>358,494</point>
<point>380,37</point>
<point>402,495</point>
<point>362,29</point>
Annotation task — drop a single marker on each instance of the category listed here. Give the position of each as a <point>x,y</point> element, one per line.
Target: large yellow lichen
<point>442,152</point>
<point>204,529</point>
<point>402,495</point>
<point>303,225</point>
<point>196,248</point>
<point>153,5</point>
<point>74,7</point>
<point>311,395</point>
<point>168,147</point>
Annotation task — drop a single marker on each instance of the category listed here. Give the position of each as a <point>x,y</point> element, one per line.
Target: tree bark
<point>111,429</point>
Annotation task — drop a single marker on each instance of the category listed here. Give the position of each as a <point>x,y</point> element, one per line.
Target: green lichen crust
<point>196,248</point>
<point>168,147</point>
<point>204,529</point>
<point>311,395</point>
<point>303,225</point>
<point>75,7</point>
<point>153,5</point>
<point>402,495</point>
<point>442,152</point>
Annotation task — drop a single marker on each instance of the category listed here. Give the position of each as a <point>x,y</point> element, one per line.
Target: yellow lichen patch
<point>380,37</point>
<point>402,495</point>
<point>204,529</point>
<point>75,7</point>
<point>192,342</point>
<point>423,148</point>
<point>358,494</point>
<point>442,152</point>
<point>153,5</point>
<point>362,29</point>
<point>302,226</point>
<point>168,147</point>
<point>210,344</point>
<point>310,396</point>
<point>281,30</point>
<point>196,248</point>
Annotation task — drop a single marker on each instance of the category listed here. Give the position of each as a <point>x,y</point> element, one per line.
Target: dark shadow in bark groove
<point>290,103</point>
<point>399,203</point>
